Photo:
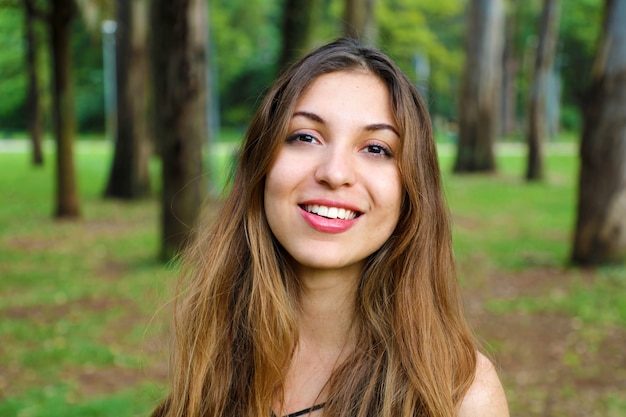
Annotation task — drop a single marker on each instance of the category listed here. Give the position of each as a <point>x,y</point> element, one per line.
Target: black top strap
<point>303,412</point>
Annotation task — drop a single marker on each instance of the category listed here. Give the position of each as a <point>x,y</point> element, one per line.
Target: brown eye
<point>302,137</point>
<point>378,149</point>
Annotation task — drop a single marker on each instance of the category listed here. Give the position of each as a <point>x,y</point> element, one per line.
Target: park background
<point>85,278</point>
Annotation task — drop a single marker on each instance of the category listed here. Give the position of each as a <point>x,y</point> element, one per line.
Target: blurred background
<point>119,126</point>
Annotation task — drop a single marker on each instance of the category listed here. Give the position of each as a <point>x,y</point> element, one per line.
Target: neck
<point>327,308</point>
<point>326,335</point>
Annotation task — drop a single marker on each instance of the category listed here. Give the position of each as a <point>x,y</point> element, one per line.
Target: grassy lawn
<point>84,306</point>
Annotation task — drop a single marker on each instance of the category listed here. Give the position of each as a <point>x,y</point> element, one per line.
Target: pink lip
<point>324,224</point>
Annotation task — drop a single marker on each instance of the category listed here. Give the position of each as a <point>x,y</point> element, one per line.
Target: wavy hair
<point>235,317</point>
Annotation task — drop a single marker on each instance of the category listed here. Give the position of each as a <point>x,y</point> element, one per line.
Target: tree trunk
<point>179,68</point>
<point>600,235</point>
<point>296,28</point>
<point>359,21</point>
<point>35,123</point>
<point>129,177</point>
<point>537,117</point>
<point>480,92</point>
<point>510,68</point>
<point>61,15</point>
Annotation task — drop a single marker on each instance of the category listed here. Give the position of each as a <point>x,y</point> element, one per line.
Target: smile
<point>331,212</point>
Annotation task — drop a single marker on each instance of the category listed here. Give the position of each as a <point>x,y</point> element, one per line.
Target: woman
<point>326,285</point>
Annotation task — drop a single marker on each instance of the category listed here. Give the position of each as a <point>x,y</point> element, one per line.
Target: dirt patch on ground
<point>551,364</point>
<point>102,381</point>
<point>112,270</point>
<point>49,314</point>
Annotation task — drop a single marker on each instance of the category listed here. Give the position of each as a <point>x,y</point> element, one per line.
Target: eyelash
<point>381,150</point>
<point>298,136</point>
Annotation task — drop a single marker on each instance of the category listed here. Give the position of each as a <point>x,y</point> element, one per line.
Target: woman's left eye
<point>378,149</point>
<point>301,137</point>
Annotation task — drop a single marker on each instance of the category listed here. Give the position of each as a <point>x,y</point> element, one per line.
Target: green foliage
<point>13,75</point>
<point>246,39</point>
<point>88,75</point>
<point>579,30</point>
<point>428,30</point>
<point>12,51</point>
<point>571,118</point>
<point>245,48</point>
<point>581,25</point>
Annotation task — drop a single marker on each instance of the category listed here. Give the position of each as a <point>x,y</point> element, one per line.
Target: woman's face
<point>333,193</point>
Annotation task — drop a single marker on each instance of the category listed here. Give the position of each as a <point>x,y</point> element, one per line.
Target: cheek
<point>390,191</point>
<point>271,192</point>
<point>278,186</point>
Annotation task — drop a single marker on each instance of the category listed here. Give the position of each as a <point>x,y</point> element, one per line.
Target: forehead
<point>342,92</point>
<point>344,77</point>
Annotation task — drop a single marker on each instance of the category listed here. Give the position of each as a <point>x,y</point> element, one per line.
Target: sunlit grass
<point>77,296</point>
<point>516,223</point>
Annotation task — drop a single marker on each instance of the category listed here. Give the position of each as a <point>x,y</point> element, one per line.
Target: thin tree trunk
<point>359,20</point>
<point>480,97</point>
<point>537,117</point>
<point>510,68</point>
<point>296,28</point>
<point>129,177</point>
<point>600,235</point>
<point>179,68</point>
<point>35,123</point>
<point>67,205</point>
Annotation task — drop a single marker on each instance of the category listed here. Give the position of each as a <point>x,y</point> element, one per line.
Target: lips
<point>327,217</point>
<point>330,212</point>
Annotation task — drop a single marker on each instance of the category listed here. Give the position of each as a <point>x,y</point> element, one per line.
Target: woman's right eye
<point>302,137</point>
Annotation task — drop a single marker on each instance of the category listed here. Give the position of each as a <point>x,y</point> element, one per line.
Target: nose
<point>336,168</point>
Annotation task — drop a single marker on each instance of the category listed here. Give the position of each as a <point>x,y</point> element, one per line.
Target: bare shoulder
<point>486,397</point>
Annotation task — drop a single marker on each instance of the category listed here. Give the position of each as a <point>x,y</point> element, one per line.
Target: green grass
<point>77,296</point>
<point>514,223</point>
<point>59,400</point>
<point>601,303</point>
<point>89,297</point>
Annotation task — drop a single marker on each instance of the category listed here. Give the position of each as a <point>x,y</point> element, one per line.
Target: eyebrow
<point>371,128</point>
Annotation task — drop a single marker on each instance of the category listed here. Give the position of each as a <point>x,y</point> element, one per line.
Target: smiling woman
<point>327,288</point>
<point>338,158</point>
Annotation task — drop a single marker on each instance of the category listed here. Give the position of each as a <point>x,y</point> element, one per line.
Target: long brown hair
<point>235,316</point>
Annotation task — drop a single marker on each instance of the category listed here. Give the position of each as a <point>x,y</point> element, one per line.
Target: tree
<point>600,235</point>
<point>544,58</point>
<point>33,105</point>
<point>510,68</point>
<point>61,15</point>
<point>129,177</point>
<point>296,29</point>
<point>359,22</point>
<point>179,70</point>
<point>479,103</point>
<point>579,30</point>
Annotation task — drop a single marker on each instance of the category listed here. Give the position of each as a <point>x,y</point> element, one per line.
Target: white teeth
<point>330,212</point>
